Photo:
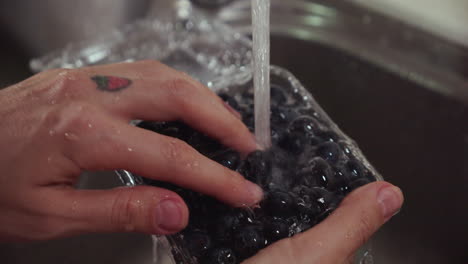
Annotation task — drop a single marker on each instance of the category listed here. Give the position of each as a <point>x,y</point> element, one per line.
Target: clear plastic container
<point>212,53</point>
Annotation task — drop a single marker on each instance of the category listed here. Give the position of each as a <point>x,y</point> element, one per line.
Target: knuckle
<point>124,210</point>
<point>66,83</point>
<point>364,229</point>
<point>181,91</point>
<point>177,152</point>
<point>73,117</point>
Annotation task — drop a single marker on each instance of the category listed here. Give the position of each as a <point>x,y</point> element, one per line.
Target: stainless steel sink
<point>400,93</point>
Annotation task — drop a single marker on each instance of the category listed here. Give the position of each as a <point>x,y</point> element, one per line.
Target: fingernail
<point>255,191</point>
<point>232,110</point>
<point>390,199</point>
<point>168,216</point>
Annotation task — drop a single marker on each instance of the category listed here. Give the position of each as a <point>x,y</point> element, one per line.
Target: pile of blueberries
<point>305,175</point>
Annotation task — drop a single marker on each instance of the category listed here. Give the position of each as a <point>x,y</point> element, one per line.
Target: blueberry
<point>197,242</point>
<point>278,97</point>
<point>230,101</point>
<point>281,115</point>
<point>355,169</point>
<point>257,167</point>
<point>249,120</point>
<point>225,226</point>
<point>221,256</point>
<point>317,172</point>
<point>341,181</point>
<point>326,199</point>
<point>177,130</point>
<point>153,126</point>
<point>329,151</point>
<point>276,135</point>
<point>248,240</point>
<point>278,203</point>
<point>293,143</point>
<point>346,148</point>
<point>328,136</point>
<point>229,159</point>
<point>358,183</point>
<point>276,229</point>
<point>204,144</point>
<point>308,207</point>
<point>303,125</point>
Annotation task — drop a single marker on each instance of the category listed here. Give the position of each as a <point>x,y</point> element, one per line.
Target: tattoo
<point>111,83</point>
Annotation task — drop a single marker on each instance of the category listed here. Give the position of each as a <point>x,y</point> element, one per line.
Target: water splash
<point>261,64</point>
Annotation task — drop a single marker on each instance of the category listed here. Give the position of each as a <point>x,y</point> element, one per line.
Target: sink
<point>399,92</point>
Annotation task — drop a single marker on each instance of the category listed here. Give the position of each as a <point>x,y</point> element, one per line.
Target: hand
<point>337,238</point>
<point>61,122</point>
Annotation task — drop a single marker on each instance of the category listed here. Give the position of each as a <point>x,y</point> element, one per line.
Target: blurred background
<point>391,73</point>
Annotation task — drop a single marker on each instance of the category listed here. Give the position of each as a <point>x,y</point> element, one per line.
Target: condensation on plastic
<point>208,51</point>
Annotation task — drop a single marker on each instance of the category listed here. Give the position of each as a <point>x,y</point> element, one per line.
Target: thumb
<point>129,209</point>
<point>338,237</point>
<point>349,227</point>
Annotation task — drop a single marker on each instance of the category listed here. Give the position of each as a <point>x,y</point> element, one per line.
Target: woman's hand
<point>337,238</point>
<point>61,122</point>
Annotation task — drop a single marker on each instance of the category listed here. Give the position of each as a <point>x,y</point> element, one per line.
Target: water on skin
<point>261,72</point>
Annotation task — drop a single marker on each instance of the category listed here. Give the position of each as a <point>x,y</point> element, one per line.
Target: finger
<point>112,144</point>
<point>150,90</point>
<point>343,232</point>
<point>140,209</point>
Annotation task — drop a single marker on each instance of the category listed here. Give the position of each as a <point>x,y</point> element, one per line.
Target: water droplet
<point>74,205</point>
<point>90,125</point>
<point>71,136</point>
<point>49,159</point>
<point>130,150</point>
<point>367,258</point>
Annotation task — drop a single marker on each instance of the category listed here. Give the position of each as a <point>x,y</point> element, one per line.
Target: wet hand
<point>61,122</point>
<point>338,237</point>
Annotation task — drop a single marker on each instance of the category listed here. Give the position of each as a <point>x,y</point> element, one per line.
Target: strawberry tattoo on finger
<point>111,83</point>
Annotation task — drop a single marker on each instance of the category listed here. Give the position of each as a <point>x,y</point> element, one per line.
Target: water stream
<point>261,70</point>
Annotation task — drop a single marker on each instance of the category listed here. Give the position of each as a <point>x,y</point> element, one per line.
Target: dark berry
<point>309,208</point>
<point>257,167</point>
<point>358,183</point>
<point>204,144</point>
<point>229,159</point>
<point>324,198</point>
<point>276,229</point>
<point>278,203</point>
<point>341,181</point>
<point>317,172</point>
<point>197,243</point>
<point>225,226</point>
<point>221,256</point>
<point>328,136</point>
<point>355,169</point>
<point>278,97</point>
<point>329,151</point>
<point>281,115</point>
<point>303,125</point>
<point>177,130</point>
<point>346,148</point>
<point>293,143</point>
<point>249,240</point>
<point>231,101</point>
<point>153,126</point>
